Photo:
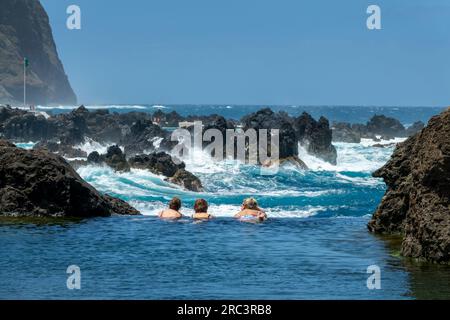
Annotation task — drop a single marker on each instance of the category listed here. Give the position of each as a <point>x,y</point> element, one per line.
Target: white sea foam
<point>359,181</point>
<point>137,182</point>
<point>200,161</point>
<point>370,142</point>
<point>90,145</point>
<point>353,157</point>
<point>157,142</point>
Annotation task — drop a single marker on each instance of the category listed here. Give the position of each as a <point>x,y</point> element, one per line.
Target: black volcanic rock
<point>316,137</point>
<point>385,126</point>
<point>343,132</point>
<point>99,125</point>
<point>417,202</point>
<point>116,159</point>
<point>22,126</point>
<point>171,119</point>
<point>379,125</point>
<point>267,119</point>
<point>187,180</point>
<point>163,163</point>
<point>25,32</point>
<point>113,158</point>
<point>142,137</point>
<point>38,183</point>
<point>158,163</point>
<point>416,127</point>
<point>216,122</point>
<point>94,158</point>
<point>63,150</point>
<point>133,129</point>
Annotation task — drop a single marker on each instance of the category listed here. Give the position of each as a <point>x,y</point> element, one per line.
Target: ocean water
<point>315,244</point>
<point>353,114</point>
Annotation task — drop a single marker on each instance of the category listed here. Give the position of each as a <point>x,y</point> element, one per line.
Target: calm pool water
<point>145,258</point>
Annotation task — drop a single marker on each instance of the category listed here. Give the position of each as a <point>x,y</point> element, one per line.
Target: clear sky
<point>260,52</point>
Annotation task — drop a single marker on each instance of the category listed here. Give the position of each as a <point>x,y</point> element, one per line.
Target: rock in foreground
<point>417,202</point>
<point>38,183</point>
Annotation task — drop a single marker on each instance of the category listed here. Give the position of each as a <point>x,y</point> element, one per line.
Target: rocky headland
<point>417,202</point>
<point>25,33</point>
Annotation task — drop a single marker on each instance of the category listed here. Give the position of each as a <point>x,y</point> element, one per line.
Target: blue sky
<point>259,52</point>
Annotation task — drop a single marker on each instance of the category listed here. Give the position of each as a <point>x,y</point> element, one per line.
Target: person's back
<point>173,212</point>
<point>201,210</point>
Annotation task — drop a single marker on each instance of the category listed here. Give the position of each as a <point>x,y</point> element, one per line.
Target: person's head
<point>250,203</point>
<point>175,204</point>
<point>200,206</point>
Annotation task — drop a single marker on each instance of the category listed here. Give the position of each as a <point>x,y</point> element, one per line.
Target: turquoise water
<point>315,244</point>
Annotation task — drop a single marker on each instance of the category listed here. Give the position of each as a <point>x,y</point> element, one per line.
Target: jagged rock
<point>216,122</point>
<point>417,201</point>
<point>385,126</point>
<point>416,127</point>
<point>25,32</point>
<point>94,157</point>
<point>158,163</point>
<point>343,132</point>
<point>267,119</point>
<point>39,183</point>
<point>143,136</point>
<point>22,126</point>
<point>187,180</point>
<point>116,159</point>
<point>162,163</point>
<point>363,132</point>
<point>171,119</point>
<point>316,137</point>
<point>61,149</point>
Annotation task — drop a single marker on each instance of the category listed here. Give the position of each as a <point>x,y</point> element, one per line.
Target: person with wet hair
<point>201,210</point>
<point>173,211</point>
<point>250,211</point>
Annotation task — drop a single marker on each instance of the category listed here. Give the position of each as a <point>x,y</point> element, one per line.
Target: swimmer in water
<point>251,211</point>
<point>201,210</point>
<point>173,212</point>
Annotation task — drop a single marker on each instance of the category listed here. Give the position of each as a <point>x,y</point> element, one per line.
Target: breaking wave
<point>344,190</point>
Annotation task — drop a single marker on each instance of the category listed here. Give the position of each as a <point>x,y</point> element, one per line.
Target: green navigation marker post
<point>26,63</point>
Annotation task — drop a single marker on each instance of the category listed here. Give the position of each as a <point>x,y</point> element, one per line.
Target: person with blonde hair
<point>173,212</point>
<point>251,211</point>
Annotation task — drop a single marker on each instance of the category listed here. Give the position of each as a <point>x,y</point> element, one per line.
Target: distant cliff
<point>25,32</point>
